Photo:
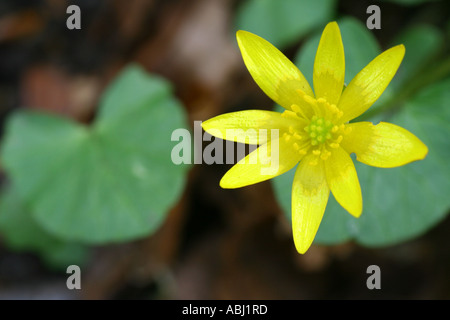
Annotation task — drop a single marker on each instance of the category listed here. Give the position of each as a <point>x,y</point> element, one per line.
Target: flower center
<point>319,130</point>
<point>319,133</point>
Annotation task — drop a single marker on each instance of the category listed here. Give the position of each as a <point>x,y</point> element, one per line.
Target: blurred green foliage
<point>108,182</point>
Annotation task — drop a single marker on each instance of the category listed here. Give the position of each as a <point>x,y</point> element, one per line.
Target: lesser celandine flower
<point>314,130</point>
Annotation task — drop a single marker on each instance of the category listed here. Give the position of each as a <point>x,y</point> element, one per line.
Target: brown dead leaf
<point>18,25</point>
<point>46,87</point>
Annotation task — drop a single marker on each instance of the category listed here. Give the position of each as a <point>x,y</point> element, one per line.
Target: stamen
<point>334,145</point>
<point>301,149</point>
<point>310,101</point>
<point>288,114</point>
<point>295,108</point>
<point>325,155</point>
<point>321,100</point>
<point>297,136</point>
<point>299,111</point>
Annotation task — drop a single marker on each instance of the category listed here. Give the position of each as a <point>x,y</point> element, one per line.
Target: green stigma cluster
<point>319,130</point>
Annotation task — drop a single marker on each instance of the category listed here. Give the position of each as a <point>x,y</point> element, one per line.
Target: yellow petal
<point>383,145</point>
<point>274,73</point>
<point>329,65</point>
<point>250,126</point>
<point>268,161</point>
<point>309,198</point>
<point>370,82</point>
<point>343,181</point>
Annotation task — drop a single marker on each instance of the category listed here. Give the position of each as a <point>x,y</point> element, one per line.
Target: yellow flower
<point>314,130</point>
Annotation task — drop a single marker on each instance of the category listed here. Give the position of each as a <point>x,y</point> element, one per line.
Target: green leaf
<point>20,232</point>
<point>284,22</point>
<point>110,182</point>
<point>399,203</point>
<point>422,43</point>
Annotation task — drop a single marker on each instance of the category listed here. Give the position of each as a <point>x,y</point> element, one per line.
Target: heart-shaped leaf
<point>422,43</point>
<point>111,181</point>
